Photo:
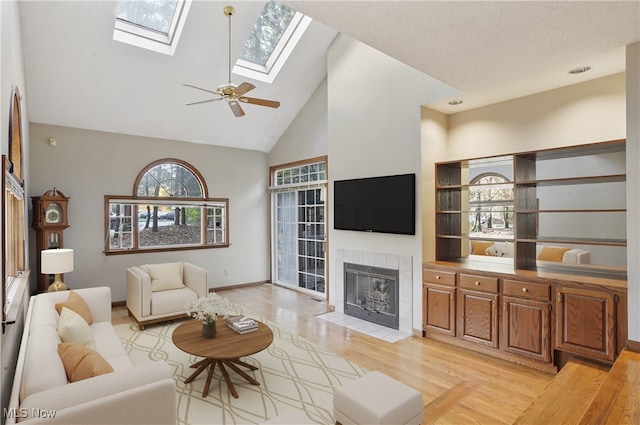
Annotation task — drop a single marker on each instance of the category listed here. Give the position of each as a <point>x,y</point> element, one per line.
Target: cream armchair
<point>158,292</point>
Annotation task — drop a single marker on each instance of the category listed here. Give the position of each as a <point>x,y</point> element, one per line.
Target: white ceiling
<point>77,76</point>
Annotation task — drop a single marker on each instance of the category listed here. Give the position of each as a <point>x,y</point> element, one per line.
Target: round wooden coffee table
<point>224,350</point>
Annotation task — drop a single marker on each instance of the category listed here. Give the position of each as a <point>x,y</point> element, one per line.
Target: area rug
<point>293,374</point>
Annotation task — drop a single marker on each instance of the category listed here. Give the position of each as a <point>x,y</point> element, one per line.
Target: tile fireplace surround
<point>402,263</point>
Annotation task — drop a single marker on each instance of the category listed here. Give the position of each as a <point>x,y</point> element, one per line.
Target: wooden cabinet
<point>526,319</point>
<point>49,220</point>
<point>478,310</point>
<point>439,302</point>
<point>449,214</point>
<point>586,322</point>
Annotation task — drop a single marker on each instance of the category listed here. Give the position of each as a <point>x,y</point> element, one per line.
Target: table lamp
<point>56,261</point>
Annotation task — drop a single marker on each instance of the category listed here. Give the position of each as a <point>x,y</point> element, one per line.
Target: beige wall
<point>633,188</point>
<point>306,137</point>
<point>86,165</point>
<point>583,113</point>
<point>371,134</point>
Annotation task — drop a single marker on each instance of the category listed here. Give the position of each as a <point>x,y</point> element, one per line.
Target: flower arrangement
<point>206,308</point>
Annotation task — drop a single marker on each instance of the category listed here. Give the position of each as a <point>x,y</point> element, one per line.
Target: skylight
<point>151,24</point>
<point>274,36</point>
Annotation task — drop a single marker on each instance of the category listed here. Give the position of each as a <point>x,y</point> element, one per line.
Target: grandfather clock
<point>49,221</point>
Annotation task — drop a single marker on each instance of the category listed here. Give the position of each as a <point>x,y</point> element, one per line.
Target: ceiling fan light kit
<point>230,92</point>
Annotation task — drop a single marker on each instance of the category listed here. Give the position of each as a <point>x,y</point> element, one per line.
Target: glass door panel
<point>300,239</point>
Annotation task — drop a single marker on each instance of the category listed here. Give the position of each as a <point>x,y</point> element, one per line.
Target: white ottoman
<point>376,398</point>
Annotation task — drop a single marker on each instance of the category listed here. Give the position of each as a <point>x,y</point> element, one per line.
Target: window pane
<point>170,226</point>
<point>152,14</point>
<point>271,24</point>
<point>169,180</point>
<point>301,174</point>
<point>120,226</point>
<point>216,222</point>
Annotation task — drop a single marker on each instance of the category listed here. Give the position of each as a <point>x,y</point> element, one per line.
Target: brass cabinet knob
<point>525,290</point>
<point>477,283</point>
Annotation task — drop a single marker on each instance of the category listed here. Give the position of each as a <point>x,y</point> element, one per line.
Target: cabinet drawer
<point>479,283</point>
<point>515,288</point>
<point>441,278</point>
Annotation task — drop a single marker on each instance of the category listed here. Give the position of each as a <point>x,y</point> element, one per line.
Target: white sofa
<point>148,306</point>
<point>141,394</point>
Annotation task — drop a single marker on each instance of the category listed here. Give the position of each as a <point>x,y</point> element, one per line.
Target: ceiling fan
<point>230,92</point>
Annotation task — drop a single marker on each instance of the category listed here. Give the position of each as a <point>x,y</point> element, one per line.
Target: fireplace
<point>371,293</point>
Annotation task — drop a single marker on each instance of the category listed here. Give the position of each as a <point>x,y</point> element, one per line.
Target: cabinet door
<point>439,309</point>
<point>527,328</point>
<point>478,317</point>
<point>586,323</point>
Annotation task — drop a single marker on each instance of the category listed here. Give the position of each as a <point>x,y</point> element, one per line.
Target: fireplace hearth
<point>371,294</point>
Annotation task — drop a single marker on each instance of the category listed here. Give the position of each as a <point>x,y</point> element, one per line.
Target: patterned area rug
<point>293,374</point>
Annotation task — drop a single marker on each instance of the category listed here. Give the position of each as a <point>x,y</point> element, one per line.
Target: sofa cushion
<point>552,253</point>
<point>45,313</point>
<point>82,362</point>
<point>76,303</point>
<point>165,276</point>
<point>74,329</point>
<point>167,302</point>
<point>480,247</point>
<point>109,346</point>
<point>43,368</point>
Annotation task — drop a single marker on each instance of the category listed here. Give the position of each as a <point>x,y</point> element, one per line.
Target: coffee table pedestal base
<point>231,364</point>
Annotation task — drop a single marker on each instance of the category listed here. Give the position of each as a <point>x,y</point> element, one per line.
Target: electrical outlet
<point>226,272</point>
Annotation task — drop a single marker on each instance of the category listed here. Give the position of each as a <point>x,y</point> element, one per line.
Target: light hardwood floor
<point>458,386</point>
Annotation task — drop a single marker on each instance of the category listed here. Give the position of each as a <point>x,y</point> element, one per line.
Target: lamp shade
<point>56,261</point>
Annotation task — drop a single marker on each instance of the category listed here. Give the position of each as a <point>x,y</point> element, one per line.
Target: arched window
<point>491,206</point>
<point>13,208</point>
<point>169,210</point>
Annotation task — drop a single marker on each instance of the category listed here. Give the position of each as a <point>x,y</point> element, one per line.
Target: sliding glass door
<point>299,234</point>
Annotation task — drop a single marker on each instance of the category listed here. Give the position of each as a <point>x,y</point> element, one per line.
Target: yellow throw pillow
<point>82,362</point>
<point>76,303</point>
<point>552,253</point>
<point>165,276</point>
<point>74,329</point>
<point>480,247</point>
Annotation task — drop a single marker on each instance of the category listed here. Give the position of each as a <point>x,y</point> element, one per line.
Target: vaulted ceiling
<point>77,76</point>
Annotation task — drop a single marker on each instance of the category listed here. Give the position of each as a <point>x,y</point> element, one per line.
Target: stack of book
<point>241,324</point>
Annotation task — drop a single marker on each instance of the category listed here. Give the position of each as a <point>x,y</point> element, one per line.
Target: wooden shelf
<point>564,181</point>
<point>530,171</point>
<point>576,241</point>
<point>577,210</point>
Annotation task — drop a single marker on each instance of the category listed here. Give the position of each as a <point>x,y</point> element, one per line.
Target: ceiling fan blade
<point>200,88</point>
<point>261,102</point>
<point>244,88</point>
<point>202,101</point>
<point>236,108</point>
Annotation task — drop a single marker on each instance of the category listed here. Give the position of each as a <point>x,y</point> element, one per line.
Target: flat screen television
<point>384,204</point>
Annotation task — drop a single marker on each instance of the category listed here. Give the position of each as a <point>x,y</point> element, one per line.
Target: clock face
<point>53,213</point>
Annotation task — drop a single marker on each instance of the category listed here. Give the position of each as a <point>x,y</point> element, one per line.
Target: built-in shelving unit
<point>576,175</point>
<point>566,196</point>
<point>449,223</point>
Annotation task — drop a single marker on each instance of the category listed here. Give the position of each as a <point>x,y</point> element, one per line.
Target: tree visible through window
<point>168,210</point>
<point>491,206</point>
